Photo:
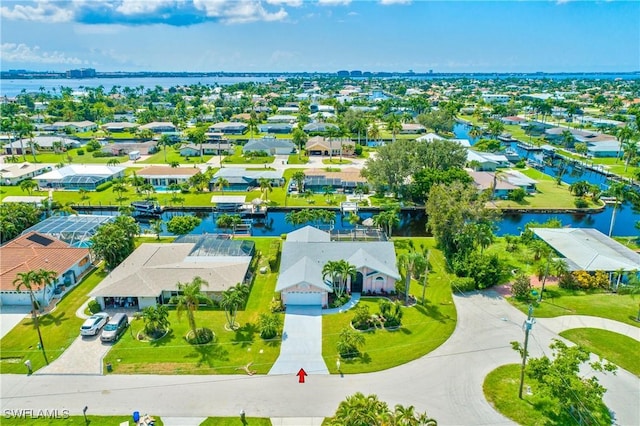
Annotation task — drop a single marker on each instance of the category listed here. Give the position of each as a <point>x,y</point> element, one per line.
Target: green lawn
<point>231,351</point>
<point>549,195</point>
<point>424,328</point>
<point>616,348</point>
<point>559,302</point>
<point>59,329</point>
<point>336,160</point>
<point>174,155</point>
<point>501,390</point>
<point>79,420</point>
<point>238,158</point>
<point>86,158</point>
<point>296,159</point>
<point>235,421</point>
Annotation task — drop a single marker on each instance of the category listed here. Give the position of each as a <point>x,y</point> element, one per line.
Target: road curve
<point>447,383</point>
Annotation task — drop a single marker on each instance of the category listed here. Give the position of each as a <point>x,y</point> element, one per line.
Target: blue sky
<point>321,35</point>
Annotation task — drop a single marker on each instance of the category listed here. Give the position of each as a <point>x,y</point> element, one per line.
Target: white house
<point>307,250</point>
<point>76,176</point>
<point>14,173</point>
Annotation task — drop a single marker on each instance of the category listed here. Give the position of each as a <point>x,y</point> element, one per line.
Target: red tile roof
<point>23,255</point>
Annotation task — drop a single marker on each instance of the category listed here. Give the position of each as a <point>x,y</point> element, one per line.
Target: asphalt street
<point>446,383</point>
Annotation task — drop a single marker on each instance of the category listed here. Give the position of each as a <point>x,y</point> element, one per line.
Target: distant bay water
<point>13,87</point>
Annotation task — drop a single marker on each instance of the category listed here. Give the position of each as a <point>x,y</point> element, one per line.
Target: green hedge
<point>104,186</point>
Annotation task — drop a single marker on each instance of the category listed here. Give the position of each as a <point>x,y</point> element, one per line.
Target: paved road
<point>447,383</point>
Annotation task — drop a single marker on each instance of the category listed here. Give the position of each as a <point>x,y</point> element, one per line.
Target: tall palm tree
<point>265,187</point>
<point>394,126</point>
<point>31,281</point>
<point>617,190</point>
<point>624,135</point>
<point>221,183</point>
<point>408,261</point>
<point>630,149</point>
<point>475,132</point>
<point>165,141</point>
<point>232,299</point>
<point>332,269</point>
<point>347,271</point>
<point>299,177</point>
<point>190,297</point>
<point>386,220</point>
<point>28,185</point>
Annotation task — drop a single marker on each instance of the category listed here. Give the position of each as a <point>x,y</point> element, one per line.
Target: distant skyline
<point>321,35</point>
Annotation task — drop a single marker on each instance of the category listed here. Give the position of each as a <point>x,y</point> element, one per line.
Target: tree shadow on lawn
<point>245,335</point>
<point>208,354</point>
<point>51,319</point>
<point>164,340</point>
<point>433,311</point>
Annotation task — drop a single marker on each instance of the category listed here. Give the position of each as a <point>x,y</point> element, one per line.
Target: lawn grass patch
<point>424,328</point>
<point>558,301</point>
<point>296,159</point>
<point>239,158</point>
<point>77,420</point>
<point>501,390</point>
<point>174,155</point>
<point>59,329</point>
<point>235,421</point>
<point>336,161</point>
<point>231,351</point>
<point>614,347</point>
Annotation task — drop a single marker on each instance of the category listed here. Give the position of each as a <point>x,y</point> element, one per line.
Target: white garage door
<point>304,299</point>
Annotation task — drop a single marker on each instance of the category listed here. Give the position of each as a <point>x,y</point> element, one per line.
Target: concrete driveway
<point>301,342</point>
<point>10,316</point>
<point>84,356</point>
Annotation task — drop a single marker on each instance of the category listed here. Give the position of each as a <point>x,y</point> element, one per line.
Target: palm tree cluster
<point>359,410</point>
<point>156,320</point>
<point>188,301</point>
<point>340,271</point>
<point>232,299</point>
<point>315,216</point>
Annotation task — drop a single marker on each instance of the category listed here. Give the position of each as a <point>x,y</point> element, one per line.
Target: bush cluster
<point>94,306</point>
<point>585,280</point>
<point>104,186</point>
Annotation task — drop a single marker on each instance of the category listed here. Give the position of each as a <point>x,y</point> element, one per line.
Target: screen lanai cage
<point>73,230</point>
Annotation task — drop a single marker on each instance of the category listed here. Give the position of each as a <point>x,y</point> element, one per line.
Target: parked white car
<point>94,324</point>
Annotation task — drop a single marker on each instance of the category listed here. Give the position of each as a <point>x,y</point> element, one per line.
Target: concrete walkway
<point>355,298</point>
<point>10,316</point>
<point>83,356</point>
<point>301,342</point>
<point>447,383</point>
<point>567,322</point>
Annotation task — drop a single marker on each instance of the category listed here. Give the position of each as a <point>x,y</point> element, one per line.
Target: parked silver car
<point>114,328</point>
<point>94,324</point>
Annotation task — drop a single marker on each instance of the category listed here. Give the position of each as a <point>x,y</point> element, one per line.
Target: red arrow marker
<point>301,374</point>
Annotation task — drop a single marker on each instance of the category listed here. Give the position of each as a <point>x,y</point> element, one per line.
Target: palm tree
<point>221,183</point>
<point>624,135</point>
<point>190,297</point>
<point>265,187</point>
<point>113,162</point>
<point>299,177</point>
<point>300,139</point>
<point>157,227</point>
<point>408,262</point>
<point>28,185</point>
<point>630,149</point>
<point>349,343</point>
<point>374,132</point>
<point>475,132</point>
<point>232,299</point>
<point>31,280</point>
<point>386,220</point>
<point>495,128</point>
<point>332,269</point>
<point>346,271</point>
<point>165,141</point>
<point>425,274</point>
<point>617,190</point>
<point>394,126</point>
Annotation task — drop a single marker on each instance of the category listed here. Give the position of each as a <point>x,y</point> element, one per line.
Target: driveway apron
<point>83,356</point>
<point>301,342</point>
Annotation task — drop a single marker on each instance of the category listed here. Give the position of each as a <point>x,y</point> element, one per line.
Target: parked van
<point>114,328</point>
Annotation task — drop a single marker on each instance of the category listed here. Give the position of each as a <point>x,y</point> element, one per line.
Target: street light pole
<point>527,327</point>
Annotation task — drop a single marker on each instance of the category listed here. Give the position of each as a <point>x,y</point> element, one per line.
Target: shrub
<point>517,194</point>
<point>362,318</point>
<point>276,305</point>
<point>521,164</point>
<point>568,281</point>
<point>484,269</point>
<point>80,152</point>
<point>104,186</point>
<point>463,284</point>
<point>269,325</point>
<point>581,203</point>
<point>203,335</point>
<point>358,150</point>
<point>94,306</point>
<point>521,287</point>
<point>101,154</point>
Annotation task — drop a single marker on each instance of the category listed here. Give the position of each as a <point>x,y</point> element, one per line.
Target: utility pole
<point>527,327</point>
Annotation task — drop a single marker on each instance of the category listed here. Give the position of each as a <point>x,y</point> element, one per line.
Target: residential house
<point>34,251</point>
<point>319,145</point>
<point>271,146</point>
<point>159,127</point>
<point>495,98</point>
<point>73,126</point>
<point>307,250</point>
<point>276,128</point>
<point>319,127</point>
<point>343,181</point>
<point>604,149</point>
<point>119,126</point>
<point>514,120</point>
<point>149,276</point>
<point>243,180</point>
<point>486,162</point>
<point>41,143</point>
<point>14,173</point>
<point>229,128</point>
<point>163,176</point>
<point>221,148</point>
<point>76,176</point>
<point>412,129</point>
<point>282,119</point>
<point>125,148</point>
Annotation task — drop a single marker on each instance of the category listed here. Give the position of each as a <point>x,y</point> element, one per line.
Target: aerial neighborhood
<point>348,227</point>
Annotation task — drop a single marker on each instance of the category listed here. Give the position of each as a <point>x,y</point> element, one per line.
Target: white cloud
<point>333,2</point>
<point>13,52</point>
<point>141,7</point>
<point>238,11</point>
<point>390,2</point>
<point>41,11</point>
<point>291,3</point>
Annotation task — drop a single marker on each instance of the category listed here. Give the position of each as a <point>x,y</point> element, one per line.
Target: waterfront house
<point>244,180</point>
<point>71,126</point>
<point>41,144</point>
<point>307,250</point>
<point>34,251</point>
<point>163,176</point>
<point>119,126</point>
<point>150,274</point>
<point>220,148</point>
<point>159,127</point>
<point>276,128</point>
<point>605,149</point>
<point>486,162</point>
<point>14,173</point>
<point>412,129</point>
<point>319,127</point>
<point>76,176</point>
<point>342,181</point>
<point>282,118</point>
